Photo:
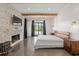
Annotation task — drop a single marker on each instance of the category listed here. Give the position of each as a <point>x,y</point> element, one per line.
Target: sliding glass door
<point>38,27</point>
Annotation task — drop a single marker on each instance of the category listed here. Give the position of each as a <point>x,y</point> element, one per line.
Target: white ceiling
<point>39,8</point>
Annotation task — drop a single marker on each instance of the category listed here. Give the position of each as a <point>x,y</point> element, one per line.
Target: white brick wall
<point>6,28</point>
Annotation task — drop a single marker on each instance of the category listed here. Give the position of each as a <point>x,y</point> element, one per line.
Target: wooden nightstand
<point>72,46</point>
<point>52,33</point>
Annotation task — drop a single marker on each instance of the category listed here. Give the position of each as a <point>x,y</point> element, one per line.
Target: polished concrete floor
<point>28,50</point>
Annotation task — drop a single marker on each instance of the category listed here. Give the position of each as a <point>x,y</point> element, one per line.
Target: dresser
<point>72,46</point>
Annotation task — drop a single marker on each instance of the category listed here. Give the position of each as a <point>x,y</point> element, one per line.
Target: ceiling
<point>39,7</point>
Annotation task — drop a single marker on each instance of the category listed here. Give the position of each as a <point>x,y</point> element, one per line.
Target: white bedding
<point>48,41</point>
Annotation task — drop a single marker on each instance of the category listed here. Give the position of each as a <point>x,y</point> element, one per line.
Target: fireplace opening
<point>15,38</point>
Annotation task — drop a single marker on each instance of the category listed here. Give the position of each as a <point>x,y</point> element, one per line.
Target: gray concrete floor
<point>28,50</point>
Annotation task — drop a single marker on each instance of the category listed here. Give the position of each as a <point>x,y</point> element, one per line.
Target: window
<point>38,27</point>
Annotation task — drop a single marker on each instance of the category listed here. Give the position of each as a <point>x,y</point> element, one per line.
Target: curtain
<point>44,28</point>
<point>25,28</point>
<point>32,30</point>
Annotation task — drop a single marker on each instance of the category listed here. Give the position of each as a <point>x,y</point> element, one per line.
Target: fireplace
<point>15,38</point>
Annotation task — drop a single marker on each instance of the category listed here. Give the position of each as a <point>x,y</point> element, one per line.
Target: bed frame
<point>63,35</point>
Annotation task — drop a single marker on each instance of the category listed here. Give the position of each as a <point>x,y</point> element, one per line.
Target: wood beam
<point>39,14</point>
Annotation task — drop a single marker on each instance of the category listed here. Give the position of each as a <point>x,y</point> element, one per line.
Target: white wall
<point>48,19</point>
<point>63,22</point>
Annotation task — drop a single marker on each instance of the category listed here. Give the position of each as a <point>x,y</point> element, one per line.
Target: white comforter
<point>48,41</point>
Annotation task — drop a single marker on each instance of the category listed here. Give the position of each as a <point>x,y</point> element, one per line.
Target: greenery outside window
<point>38,27</point>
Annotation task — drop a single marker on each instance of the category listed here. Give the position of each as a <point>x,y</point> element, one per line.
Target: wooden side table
<point>4,48</point>
<point>72,46</point>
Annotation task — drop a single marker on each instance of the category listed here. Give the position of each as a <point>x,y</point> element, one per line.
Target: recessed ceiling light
<point>28,8</point>
<point>49,9</point>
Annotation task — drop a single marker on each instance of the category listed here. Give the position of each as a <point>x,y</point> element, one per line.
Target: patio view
<point>38,27</point>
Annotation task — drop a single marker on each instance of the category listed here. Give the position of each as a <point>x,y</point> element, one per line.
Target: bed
<point>48,41</point>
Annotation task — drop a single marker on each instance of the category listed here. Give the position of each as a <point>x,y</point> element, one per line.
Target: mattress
<point>48,41</point>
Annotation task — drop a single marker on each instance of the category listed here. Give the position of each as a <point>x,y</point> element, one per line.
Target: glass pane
<point>38,27</point>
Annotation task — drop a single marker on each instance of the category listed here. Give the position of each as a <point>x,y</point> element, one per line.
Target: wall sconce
<point>74,23</point>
